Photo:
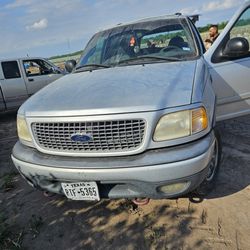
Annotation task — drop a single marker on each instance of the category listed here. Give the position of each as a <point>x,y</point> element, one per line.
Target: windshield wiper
<point>155,58</point>
<point>93,65</point>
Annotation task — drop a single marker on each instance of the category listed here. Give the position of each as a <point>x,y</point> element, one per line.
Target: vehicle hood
<point>136,88</point>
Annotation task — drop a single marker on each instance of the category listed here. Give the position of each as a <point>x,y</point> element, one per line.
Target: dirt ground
<point>29,220</point>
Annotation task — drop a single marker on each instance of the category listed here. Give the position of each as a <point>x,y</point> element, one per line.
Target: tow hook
<point>141,201</point>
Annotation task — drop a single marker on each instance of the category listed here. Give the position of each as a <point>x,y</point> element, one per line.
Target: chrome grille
<point>106,136</point>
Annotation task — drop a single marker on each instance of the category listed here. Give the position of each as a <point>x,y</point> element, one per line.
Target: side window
<point>31,68</point>
<point>37,67</point>
<point>242,27</point>
<point>11,70</point>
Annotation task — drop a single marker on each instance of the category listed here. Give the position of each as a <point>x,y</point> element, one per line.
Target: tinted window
<point>11,70</point>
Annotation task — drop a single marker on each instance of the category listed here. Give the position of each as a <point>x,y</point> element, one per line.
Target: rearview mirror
<point>70,65</point>
<point>236,47</point>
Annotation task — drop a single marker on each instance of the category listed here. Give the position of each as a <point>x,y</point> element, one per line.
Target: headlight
<point>181,124</point>
<point>22,130</point>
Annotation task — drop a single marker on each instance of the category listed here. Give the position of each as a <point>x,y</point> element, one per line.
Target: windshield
<point>150,41</point>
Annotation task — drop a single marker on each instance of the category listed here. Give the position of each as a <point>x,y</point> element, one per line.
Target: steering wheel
<point>169,48</point>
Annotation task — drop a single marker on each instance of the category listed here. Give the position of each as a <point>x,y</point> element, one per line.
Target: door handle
<point>31,80</point>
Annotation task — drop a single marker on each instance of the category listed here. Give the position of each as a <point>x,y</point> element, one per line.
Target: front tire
<point>208,184</point>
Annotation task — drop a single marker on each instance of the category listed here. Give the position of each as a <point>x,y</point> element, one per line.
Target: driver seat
<point>177,41</point>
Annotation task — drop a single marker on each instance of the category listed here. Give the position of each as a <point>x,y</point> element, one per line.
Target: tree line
<point>68,55</point>
<point>221,26</point>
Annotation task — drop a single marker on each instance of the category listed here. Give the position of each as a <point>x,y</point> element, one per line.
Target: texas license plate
<point>81,190</point>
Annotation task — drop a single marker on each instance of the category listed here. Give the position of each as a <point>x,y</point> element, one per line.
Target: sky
<point>53,27</point>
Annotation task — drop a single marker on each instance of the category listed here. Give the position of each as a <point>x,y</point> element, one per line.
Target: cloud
<point>211,7</point>
<point>60,21</point>
<point>18,3</point>
<point>39,25</point>
<point>220,5</point>
<point>190,11</point>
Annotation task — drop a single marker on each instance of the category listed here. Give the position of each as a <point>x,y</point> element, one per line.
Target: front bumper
<point>120,177</point>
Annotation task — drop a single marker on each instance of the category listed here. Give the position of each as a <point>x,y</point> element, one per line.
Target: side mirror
<point>70,65</point>
<point>236,47</point>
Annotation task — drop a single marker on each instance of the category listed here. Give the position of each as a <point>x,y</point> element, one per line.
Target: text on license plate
<point>81,190</point>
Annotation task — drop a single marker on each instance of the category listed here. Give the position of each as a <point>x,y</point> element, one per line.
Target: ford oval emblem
<point>81,137</point>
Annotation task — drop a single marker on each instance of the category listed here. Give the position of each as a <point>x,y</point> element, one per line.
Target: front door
<point>56,72</point>
<point>38,73</point>
<point>231,75</point>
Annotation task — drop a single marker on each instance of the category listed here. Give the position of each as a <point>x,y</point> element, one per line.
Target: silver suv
<point>136,116</point>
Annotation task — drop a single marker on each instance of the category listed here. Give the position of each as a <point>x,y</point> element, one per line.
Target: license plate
<point>81,191</point>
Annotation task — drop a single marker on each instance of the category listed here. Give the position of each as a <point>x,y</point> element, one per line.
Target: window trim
<point>197,37</point>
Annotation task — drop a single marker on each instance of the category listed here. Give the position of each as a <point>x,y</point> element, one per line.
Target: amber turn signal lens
<point>199,120</point>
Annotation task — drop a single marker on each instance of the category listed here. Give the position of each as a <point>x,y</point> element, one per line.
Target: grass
<point>4,230</point>
<point>36,223</point>
<point>8,239</point>
<point>153,235</point>
<point>66,58</point>
<point>7,181</point>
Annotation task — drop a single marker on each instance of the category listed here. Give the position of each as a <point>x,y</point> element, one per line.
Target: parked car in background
<point>20,78</point>
<point>136,118</point>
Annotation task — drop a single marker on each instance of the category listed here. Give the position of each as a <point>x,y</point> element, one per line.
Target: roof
<point>21,58</point>
<point>148,19</point>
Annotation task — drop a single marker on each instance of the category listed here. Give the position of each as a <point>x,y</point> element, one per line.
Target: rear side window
<point>11,70</point>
